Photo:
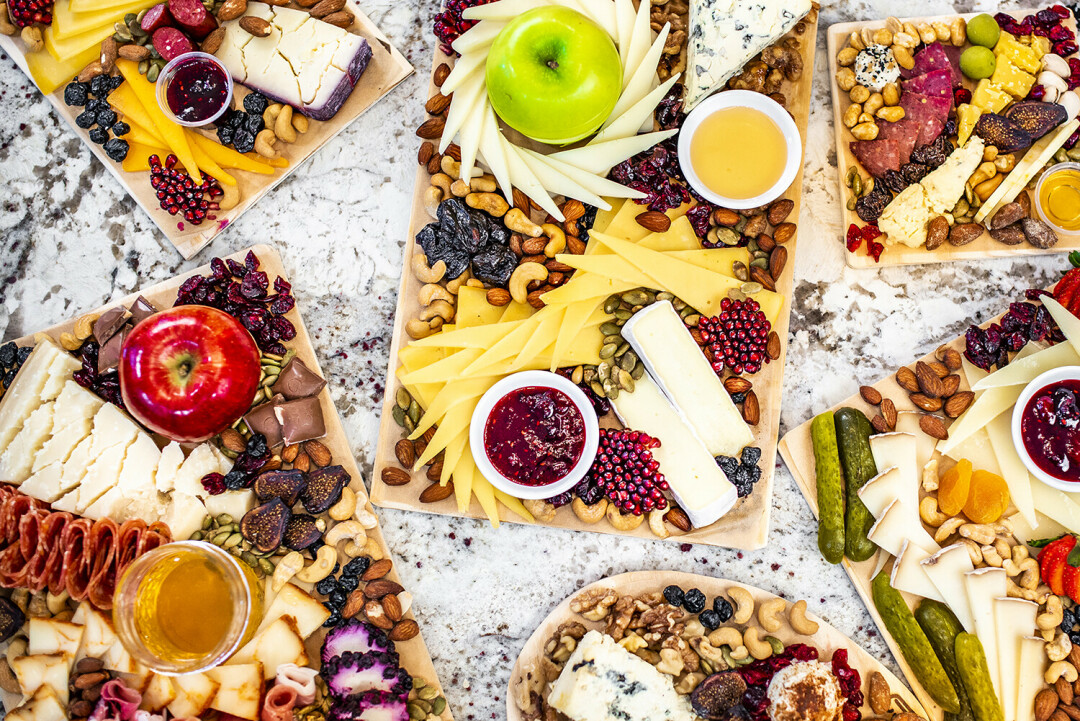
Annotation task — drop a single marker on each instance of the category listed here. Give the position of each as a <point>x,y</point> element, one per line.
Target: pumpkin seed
<point>611,389</point>
<point>230,527</point>
<point>416,712</point>
<point>963,219</point>
<point>741,225</point>
<point>961,207</point>
<point>232,541</point>
<point>705,666</point>
<point>266,566</point>
<point>692,320</point>
<point>664,295</point>
<point>736,294</point>
<point>588,375</point>
<point>759,254</point>
<point>727,236</point>
<point>597,388</point>
<point>604,371</point>
<point>622,349</point>
<point>1061,155</point>
<point>1074,153</point>
<point>635,297</point>
<point>856,185</point>
<point>777,644</point>
<point>623,314</point>
<point>969,194</point>
<point>224,519</point>
<point>249,558</point>
<point>414,412</point>
<point>728,658</point>
<point>750,288</point>
<point>626,381</point>
<point>403,398</point>
<point>220,538</point>
<point>438,706</point>
<point>611,304</point>
<point>410,424</point>
<point>141,15</point>
<point>616,339</point>
<point>752,246</point>
<point>628,360</point>
<point>759,263</point>
<point>868,185</point>
<point>610,328</point>
<point>206,522</point>
<point>850,205</point>
<point>418,682</point>
<point>740,270</point>
<point>399,415</point>
<point>678,304</point>
<point>850,177</point>
<point>639,370</point>
<point>144,65</point>
<point>137,32</point>
<point>428,693</point>
<point>196,536</point>
<point>608,350</point>
<point>576,375</point>
<point>686,312</point>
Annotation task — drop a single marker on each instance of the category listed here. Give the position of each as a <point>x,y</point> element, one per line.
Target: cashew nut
<point>1029,574</point>
<point>1060,669</point>
<point>450,166</point>
<point>366,518</point>
<point>744,603</point>
<point>283,125</point>
<point>31,35</point>
<point>728,636</point>
<point>758,647</point>
<point>622,521</point>
<point>425,273</point>
<point>405,599</point>
<point>264,143</point>
<point>686,685</point>
<point>491,203</point>
<point>768,614</point>
<point>657,525</point>
<point>325,559</point>
<point>518,222</point>
<point>442,181</point>
<point>418,329</point>
<point>704,648</point>
<point>454,285</point>
<point>693,628</point>
<point>589,514</point>
<point>439,308</point>
<point>286,569</point>
<point>948,528</point>
<point>371,549</point>
<point>351,530</point>
<point>345,506</point>
<point>1059,648</point>
<point>930,514</point>
<point>522,276</point>
<point>433,292</point>
<point>300,123</point>
<point>540,509</point>
<point>974,551</point>
<point>432,197</point>
<point>270,114</point>
<point>1053,615</point>
<point>799,621</point>
<point>557,244</point>
<point>483,184</point>
<point>231,198</point>
<point>460,188</point>
<point>992,557</point>
<point>930,476</point>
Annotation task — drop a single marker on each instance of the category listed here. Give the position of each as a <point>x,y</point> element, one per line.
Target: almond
<point>434,164</point>
<point>880,696</point>
<point>925,402</point>
<point>556,267</point>
<point>133,52</point>
<point>1072,712</point>
<point>395,476</point>
<point>382,587</point>
<point>431,128</point>
<point>271,465</point>
<point>929,381</point>
<point>1059,715</point>
<point>392,606</point>
<point>434,471</point>
<point>780,210</point>
<point>725,217</point>
<point>109,49</point>
<point>212,42</point>
<point>888,411</point>
<point>939,368</point>
<point>377,570</point>
<point>755,226</point>
<point>534,299</point>
<point>762,276</point>
<point>404,630</point>
<point>751,411</point>
<point>534,246</point>
<point>678,518</point>
<point>964,233</point>
<point>441,74</point>
<point>937,230</point>
<point>958,403</point>
<point>255,26</point>
<point>376,615</point>
<point>498,296</point>
<point>933,427</point>
<point>784,232</point>
<point>772,346</point>
<point>405,451</point>
<point>289,454</point>
<point>231,9</point>
<point>318,453</point>
<point>437,492</point>
<point>777,261</point>
<point>654,221</point>
<point>766,243</point>
<point>870,395</point>
<point>343,19</point>
<point>737,384</point>
<point>1074,659</point>
<point>576,246</point>
<point>302,462</point>
<point>521,201</point>
<point>438,103</point>
<point>572,210</point>
<point>952,359</point>
<point>905,377</point>
<point>1064,691</point>
<point>951,383</point>
<point>353,604</point>
<point>1046,702</point>
<point>879,424</point>
<point>326,7</point>
<point>233,440</point>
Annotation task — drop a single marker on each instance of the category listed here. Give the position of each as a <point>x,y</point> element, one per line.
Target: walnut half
<point>594,604</point>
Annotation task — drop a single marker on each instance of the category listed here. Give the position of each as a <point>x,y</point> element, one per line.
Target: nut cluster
<point>933,387</point>
<point>84,686</point>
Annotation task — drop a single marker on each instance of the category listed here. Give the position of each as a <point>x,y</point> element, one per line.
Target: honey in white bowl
<point>738,152</point>
<point>1059,197</point>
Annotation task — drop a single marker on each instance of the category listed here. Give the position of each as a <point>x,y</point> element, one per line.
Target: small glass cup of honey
<point>186,607</point>
<point>1057,198</point>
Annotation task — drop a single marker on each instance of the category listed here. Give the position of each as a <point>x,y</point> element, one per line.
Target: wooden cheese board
<point>386,69</point>
<point>898,254</point>
<point>827,640</point>
<point>414,653</point>
<point>746,526</point>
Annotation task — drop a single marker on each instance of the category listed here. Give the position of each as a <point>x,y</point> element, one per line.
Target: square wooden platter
<point>414,653</point>
<point>747,525</point>
<point>385,71</point>
<point>982,247</point>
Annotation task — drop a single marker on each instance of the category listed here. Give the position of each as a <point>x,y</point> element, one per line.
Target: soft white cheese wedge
<point>24,395</point>
<point>895,527</point>
<point>909,576</point>
<point>1033,663</point>
<point>18,460</point>
<point>602,680</point>
<point>199,462</point>
<point>983,586</point>
<point>697,483</point>
<point>947,569</point>
<point>172,457</point>
<point>678,366</point>
<point>1015,619</point>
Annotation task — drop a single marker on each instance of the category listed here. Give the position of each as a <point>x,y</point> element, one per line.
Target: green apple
<point>553,75</point>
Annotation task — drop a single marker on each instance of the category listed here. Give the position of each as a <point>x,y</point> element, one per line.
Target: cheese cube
<point>989,98</point>
<point>235,503</point>
<point>18,460</point>
<point>199,462</point>
<point>1022,56</point>
<point>695,480</point>
<point>172,457</point>
<point>225,463</point>
<point>683,373</point>
<point>184,515</point>
<point>24,394</point>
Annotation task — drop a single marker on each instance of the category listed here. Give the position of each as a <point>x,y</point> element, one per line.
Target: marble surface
<point>72,240</point>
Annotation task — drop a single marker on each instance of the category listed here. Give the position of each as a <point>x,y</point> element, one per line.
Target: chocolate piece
<point>11,619</point>
<point>141,309</point>
<point>109,323</point>
<point>262,420</point>
<point>109,355</point>
<point>301,420</point>
<point>298,381</point>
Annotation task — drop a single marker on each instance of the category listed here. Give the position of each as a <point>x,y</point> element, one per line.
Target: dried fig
<point>323,488</point>
<point>264,526</point>
<point>285,485</point>
<point>301,532</point>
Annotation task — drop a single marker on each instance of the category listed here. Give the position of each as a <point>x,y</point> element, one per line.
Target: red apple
<point>189,372</point>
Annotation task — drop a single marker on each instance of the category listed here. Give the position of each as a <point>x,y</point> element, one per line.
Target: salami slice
<point>75,568</point>
<point>102,558</point>
<point>877,156</point>
<point>14,509</point>
<point>12,567</point>
<point>128,540</point>
<point>50,551</point>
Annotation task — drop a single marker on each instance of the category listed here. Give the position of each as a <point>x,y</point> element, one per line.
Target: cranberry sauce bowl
<point>534,434</point>
<point>194,89</point>
<point>1046,428</point>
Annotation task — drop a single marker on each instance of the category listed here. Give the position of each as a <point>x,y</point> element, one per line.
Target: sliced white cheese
<point>895,527</point>
<point>674,361</point>
<point>1069,323</point>
<point>1057,505</point>
<point>172,457</point>
<point>471,94</point>
<point>46,483</point>
<point>1024,370</point>
<point>1044,527</point>
<point>62,442</point>
<point>478,37</point>
<point>99,478</point>
<point>986,408</point>
<point>42,670</point>
<point>524,179</point>
<point>700,487</point>
<point>627,124</point>
<point>909,576</point>
<point>465,67</point>
<point>640,40</point>
<point>556,182</point>
<point>946,569</point>
<point>185,515</point>
<point>98,634</point>
<point>225,463</point>
<point>112,427</point>
<point>1032,666</point>
<point>24,394</point>
<point>977,446</point>
<point>199,462</point>
<point>48,635</point>
<point>908,422</point>
<point>1013,470</point>
<point>983,586</point>
<point>625,16</point>
<point>880,491</point>
<point>17,461</point>
<point>140,464</point>
<point>491,151</point>
<point>75,404</point>
<point>599,158</point>
<point>61,369</point>
<point>1015,620</point>
<point>591,182</point>
<point>469,143</point>
<point>899,450</point>
<point>640,83</point>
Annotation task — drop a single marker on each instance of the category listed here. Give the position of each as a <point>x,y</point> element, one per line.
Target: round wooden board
<point>827,640</point>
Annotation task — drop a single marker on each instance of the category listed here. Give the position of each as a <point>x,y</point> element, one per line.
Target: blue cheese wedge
<point>307,63</point>
<point>602,681</point>
<point>726,34</point>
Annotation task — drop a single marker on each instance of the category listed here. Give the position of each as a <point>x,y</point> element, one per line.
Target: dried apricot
<point>988,497</point>
<point>954,487</point>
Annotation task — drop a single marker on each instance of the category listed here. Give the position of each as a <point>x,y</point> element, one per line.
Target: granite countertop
<point>72,240</point>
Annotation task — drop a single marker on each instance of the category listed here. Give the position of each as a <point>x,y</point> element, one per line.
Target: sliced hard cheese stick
<point>983,586</point>
<point>1056,505</point>
<point>985,409</point>
<point>641,82</point>
<point>1069,323</point>
<point>591,182</point>
<point>640,40</point>
<point>1013,470</point>
<point>556,182</point>
<point>697,483</point>
<point>478,37</point>
<point>470,141</point>
<point>464,69</point>
<point>465,99</point>
<point>1015,620</point>
<point>525,180</point>
<point>1024,370</point>
<point>599,158</point>
<point>628,124</point>
<point>491,150</point>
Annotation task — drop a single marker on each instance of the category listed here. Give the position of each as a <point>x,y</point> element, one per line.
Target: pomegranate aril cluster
<point>626,472</point>
<point>27,12</point>
<point>736,339</point>
<point>450,25</point>
<point>178,193</point>
<point>242,291</point>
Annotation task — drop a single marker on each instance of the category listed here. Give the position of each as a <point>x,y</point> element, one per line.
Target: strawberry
<point>1071,581</point>
<point>1052,562</point>
<point>1067,291</point>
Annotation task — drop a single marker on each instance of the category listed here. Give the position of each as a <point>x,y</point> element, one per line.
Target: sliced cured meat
<point>76,566</point>
<point>102,556</point>
<point>50,552</point>
<point>936,56</point>
<point>12,567</point>
<point>128,539</point>
<point>934,84</point>
<point>152,539</point>
<point>953,53</point>
<point>904,132</point>
<point>12,512</point>
<point>877,156</point>
<point>29,527</point>
<point>929,114</point>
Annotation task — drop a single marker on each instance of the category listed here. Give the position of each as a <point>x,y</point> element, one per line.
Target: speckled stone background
<point>72,240</point>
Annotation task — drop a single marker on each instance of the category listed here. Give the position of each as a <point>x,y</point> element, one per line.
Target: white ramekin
<point>1050,377</point>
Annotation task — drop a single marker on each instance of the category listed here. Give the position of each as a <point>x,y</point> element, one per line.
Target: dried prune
<point>494,264</point>
<point>914,172</point>
<point>460,234</point>
<point>870,206</point>
<point>892,181</point>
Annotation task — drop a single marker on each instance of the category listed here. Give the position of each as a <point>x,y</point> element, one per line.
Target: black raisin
<point>86,119</point>
<point>243,141</point>
<point>338,597</point>
<point>334,620</point>
<point>225,135</point>
<point>24,353</point>
<point>723,609</point>
<point>76,93</point>
<point>737,398</point>
<point>674,595</point>
<point>326,586</point>
<point>7,354</point>
<point>870,206</point>
<point>101,86</point>
<point>694,601</point>
<point>348,583</point>
<point>710,619</point>
<point>96,104</point>
<point>116,149</point>
<point>728,465</point>
<point>116,82</point>
<point>1068,620</point>
<point>120,128</point>
<point>253,123</point>
<point>256,103</point>
<point>106,118</point>
<point>751,456</point>
<point>99,135</point>
<point>358,566</point>
<point>235,480</point>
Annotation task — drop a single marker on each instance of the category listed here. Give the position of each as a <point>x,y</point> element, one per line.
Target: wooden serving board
<point>414,653</point>
<point>385,71</point>
<point>747,525</point>
<point>982,247</point>
<point>827,640</point>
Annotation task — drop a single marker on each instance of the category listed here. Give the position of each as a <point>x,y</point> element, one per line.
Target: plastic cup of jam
<point>534,435</point>
<point>1046,428</point>
<point>194,89</point>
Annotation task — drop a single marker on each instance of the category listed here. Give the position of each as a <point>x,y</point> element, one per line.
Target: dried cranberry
<point>254,285</point>
<point>1066,48</point>
<point>1061,11</point>
<point>214,483</point>
<point>854,238</point>
<point>962,95</point>
<point>282,304</point>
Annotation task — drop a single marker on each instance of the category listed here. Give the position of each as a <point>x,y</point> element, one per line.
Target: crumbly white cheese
<point>905,217</point>
<point>876,67</point>
<point>805,691</point>
<point>726,34</point>
<point>602,681</point>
